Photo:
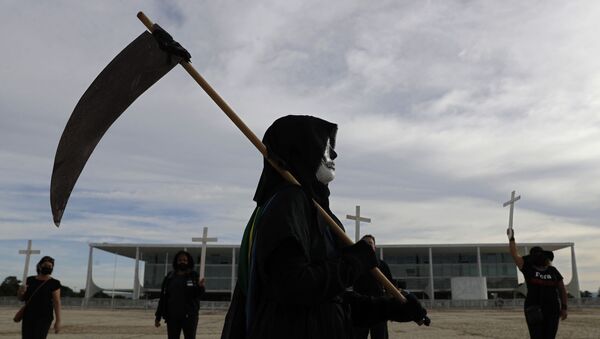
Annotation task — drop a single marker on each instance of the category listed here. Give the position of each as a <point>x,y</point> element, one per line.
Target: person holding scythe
<point>296,262</point>
<point>294,273</point>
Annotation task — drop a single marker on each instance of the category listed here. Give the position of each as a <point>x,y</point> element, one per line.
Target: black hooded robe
<point>293,273</point>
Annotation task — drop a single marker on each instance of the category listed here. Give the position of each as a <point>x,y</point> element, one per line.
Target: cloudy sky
<point>443,107</point>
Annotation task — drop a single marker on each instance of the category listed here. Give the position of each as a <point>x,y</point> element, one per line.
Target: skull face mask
<point>326,171</point>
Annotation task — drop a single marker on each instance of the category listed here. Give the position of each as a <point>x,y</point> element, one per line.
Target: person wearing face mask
<point>293,272</point>
<point>545,288</point>
<point>42,296</point>
<point>179,301</point>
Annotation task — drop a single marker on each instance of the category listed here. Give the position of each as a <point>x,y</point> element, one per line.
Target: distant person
<point>42,295</point>
<point>180,294</point>
<point>544,287</point>
<point>368,285</point>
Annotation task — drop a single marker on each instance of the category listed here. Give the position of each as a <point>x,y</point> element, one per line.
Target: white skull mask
<point>326,171</point>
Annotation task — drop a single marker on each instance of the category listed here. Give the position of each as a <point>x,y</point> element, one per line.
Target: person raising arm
<point>513,248</point>
<point>546,299</point>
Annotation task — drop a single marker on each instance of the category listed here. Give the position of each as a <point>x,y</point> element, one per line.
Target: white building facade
<point>424,269</point>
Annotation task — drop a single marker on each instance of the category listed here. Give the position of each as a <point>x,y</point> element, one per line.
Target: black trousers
<point>36,328</point>
<point>548,327</point>
<point>378,331</point>
<point>187,325</point>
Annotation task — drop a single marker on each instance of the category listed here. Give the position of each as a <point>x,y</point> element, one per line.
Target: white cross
<point>357,218</point>
<point>28,252</point>
<point>204,240</point>
<point>511,202</point>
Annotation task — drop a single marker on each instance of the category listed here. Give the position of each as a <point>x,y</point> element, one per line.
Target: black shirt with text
<point>542,284</point>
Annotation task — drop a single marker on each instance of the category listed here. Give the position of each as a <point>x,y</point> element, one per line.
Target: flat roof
<point>129,249</point>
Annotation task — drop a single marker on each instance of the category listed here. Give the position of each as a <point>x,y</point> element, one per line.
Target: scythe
<point>134,70</point>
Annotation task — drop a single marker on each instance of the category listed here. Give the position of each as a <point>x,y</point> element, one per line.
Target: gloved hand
<point>510,233</point>
<point>412,310</point>
<point>361,255</point>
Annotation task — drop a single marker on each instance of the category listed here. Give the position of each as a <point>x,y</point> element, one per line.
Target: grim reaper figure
<point>294,275</point>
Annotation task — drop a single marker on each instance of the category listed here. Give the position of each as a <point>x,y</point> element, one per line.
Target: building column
<point>136,275</point>
<point>432,296</point>
<point>90,287</point>
<point>573,286</point>
<point>232,271</point>
<point>479,272</point>
<point>88,280</point>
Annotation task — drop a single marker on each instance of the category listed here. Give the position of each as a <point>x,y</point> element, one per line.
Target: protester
<point>368,285</point>
<point>42,295</point>
<point>544,287</point>
<point>293,271</point>
<point>179,301</point>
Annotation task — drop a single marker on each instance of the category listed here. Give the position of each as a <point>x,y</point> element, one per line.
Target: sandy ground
<point>77,323</point>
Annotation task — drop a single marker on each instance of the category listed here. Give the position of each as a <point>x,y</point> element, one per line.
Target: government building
<point>440,271</point>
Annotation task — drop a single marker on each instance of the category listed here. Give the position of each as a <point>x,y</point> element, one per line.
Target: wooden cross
<point>357,218</point>
<point>28,252</point>
<point>511,202</point>
<point>203,240</point>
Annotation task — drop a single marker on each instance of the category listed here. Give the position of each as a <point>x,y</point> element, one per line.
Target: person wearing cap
<point>42,294</point>
<point>544,289</point>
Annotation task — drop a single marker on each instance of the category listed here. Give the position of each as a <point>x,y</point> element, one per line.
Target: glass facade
<point>411,265</point>
<point>408,264</point>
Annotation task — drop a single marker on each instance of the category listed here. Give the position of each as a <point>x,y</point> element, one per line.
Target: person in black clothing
<point>368,285</point>
<point>42,294</point>
<point>544,288</point>
<point>293,272</point>
<point>179,301</point>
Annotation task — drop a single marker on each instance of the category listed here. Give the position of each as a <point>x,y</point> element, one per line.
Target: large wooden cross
<point>204,240</point>
<point>357,218</point>
<point>28,252</point>
<point>511,202</point>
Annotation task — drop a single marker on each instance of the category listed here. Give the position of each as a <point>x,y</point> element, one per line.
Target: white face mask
<point>326,171</point>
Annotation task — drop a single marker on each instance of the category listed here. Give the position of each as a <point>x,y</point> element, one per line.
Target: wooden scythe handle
<point>263,150</point>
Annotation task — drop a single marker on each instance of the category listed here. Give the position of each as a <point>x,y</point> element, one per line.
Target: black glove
<point>361,254</point>
<point>412,310</point>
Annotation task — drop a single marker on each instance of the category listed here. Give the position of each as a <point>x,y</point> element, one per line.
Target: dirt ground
<point>95,323</point>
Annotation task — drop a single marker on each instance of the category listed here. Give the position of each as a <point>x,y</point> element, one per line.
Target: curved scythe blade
<point>127,76</point>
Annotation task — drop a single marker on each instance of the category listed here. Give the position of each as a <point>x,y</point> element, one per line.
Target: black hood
<point>297,144</point>
<point>189,257</point>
